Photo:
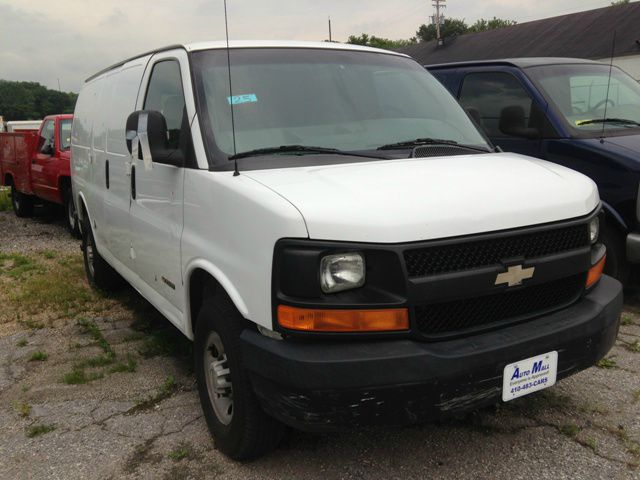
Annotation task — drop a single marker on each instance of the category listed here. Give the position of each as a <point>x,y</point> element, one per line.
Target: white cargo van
<point>339,240</point>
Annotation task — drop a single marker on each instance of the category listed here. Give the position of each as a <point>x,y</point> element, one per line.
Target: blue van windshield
<point>587,100</point>
<point>341,99</point>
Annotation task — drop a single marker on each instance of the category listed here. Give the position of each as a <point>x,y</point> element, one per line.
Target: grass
<point>636,396</point>
<point>78,376</point>
<point>37,430</point>
<point>607,363</point>
<point>129,366</point>
<point>15,265</point>
<point>180,453</point>
<point>23,408</point>
<point>570,430</point>
<point>5,199</point>
<point>38,356</point>
<point>165,342</point>
<point>22,342</point>
<point>591,443</point>
<point>168,388</point>
<point>48,254</point>
<point>626,319</point>
<point>635,347</point>
<point>105,363</point>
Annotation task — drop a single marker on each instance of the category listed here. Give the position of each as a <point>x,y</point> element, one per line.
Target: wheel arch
<point>8,179</point>
<point>201,275</point>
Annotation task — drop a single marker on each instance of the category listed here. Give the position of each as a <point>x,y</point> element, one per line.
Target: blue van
<point>581,114</point>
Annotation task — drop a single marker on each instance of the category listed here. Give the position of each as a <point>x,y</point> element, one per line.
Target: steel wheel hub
<point>218,376</point>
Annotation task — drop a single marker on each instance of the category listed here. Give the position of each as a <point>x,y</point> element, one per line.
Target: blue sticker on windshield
<point>239,99</point>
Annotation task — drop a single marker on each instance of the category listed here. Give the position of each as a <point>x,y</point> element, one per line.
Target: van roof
<point>236,44</point>
<point>524,62</point>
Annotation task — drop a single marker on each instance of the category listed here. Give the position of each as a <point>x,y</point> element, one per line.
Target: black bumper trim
<point>321,385</point>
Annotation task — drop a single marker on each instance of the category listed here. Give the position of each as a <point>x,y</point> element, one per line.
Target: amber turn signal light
<point>313,320</point>
<point>595,272</point>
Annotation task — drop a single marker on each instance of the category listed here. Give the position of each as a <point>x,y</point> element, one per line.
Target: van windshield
<point>345,100</point>
<point>587,101</point>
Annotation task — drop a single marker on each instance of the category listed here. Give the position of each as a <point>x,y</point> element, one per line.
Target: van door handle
<point>106,173</point>
<point>133,182</point>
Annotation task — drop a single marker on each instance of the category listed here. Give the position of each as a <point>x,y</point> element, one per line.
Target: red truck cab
<point>36,165</point>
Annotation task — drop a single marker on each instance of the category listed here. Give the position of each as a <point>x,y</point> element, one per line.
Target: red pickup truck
<point>37,165</point>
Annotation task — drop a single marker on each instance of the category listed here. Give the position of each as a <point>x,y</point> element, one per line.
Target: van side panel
<point>81,145</point>
<point>116,198</point>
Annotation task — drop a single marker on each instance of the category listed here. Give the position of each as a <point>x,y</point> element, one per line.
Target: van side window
<point>498,101</point>
<point>47,136</point>
<point>165,95</point>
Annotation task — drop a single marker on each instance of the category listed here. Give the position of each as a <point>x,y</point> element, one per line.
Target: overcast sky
<point>70,40</point>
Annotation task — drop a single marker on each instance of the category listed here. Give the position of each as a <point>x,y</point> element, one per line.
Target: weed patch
<point>37,430</point>
<point>16,265</point>
<point>38,356</point>
<point>626,319</point>
<point>22,342</point>
<point>180,453</point>
<point>5,199</point>
<point>168,388</point>
<point>22,408</point>
<point>78,376</point>
<point>570,430</point>
<point>607,363</point>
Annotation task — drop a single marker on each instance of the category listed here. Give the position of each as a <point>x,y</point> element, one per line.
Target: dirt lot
<point>102,387</point>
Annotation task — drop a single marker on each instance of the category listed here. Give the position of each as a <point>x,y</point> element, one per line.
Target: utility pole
<point>437,18</point>
<point>59,85</point>
<point>330,39</point>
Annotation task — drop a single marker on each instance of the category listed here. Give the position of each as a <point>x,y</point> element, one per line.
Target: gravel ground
<point>147,423</point>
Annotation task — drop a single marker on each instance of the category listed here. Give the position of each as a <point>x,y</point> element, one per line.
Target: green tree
<point>620,2</point>
<point>378,42</point>
<point>449,28</point>
<point>483,25</point>
<point>32,101</point>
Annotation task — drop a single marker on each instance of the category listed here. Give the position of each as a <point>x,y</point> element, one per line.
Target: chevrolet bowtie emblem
<point>515,275</point>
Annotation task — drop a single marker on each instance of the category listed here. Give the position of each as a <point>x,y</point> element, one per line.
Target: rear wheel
<point>71,215</point>
<point>22,203</point>
<point>241,429</point>
<point>100,274</point>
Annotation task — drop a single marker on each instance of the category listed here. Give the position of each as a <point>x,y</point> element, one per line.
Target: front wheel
<point>241,429</point>
<point>71,214</point>
<point>22,203</point>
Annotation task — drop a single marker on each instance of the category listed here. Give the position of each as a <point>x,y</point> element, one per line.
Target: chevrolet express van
<point>341,243</point>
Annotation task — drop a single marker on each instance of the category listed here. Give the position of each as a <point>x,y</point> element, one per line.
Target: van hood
<point>420,199</point>
<point>628,142</point>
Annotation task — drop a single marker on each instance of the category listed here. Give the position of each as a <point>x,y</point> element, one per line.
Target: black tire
<point>22,203</point>
<point>616,265</point>
<point>99,273</point>
<point>250,432</point>
<point>71,216</point>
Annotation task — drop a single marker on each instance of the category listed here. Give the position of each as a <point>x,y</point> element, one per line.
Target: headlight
<point>594,230</point>
<point>341,272</point>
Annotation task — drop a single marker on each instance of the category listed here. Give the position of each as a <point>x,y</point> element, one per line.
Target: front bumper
<point>326,386</point>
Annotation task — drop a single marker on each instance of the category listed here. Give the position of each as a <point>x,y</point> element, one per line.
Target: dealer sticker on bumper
<point>530,375</point>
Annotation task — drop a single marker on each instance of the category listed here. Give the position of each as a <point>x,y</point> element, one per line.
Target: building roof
<point>234,44</point>
<point>580,35</point>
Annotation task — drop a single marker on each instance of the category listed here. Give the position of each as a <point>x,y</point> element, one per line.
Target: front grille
<point>481,253</point>
<point>497,309</point>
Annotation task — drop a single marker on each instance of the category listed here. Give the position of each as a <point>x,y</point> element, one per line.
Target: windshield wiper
<point>418,142</point>
<point>299,150</point>
<point>622,121</point>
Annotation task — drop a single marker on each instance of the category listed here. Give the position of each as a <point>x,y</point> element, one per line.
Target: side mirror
<point>512,123</point>
<point>156,141</point>
<point>47,149</point>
